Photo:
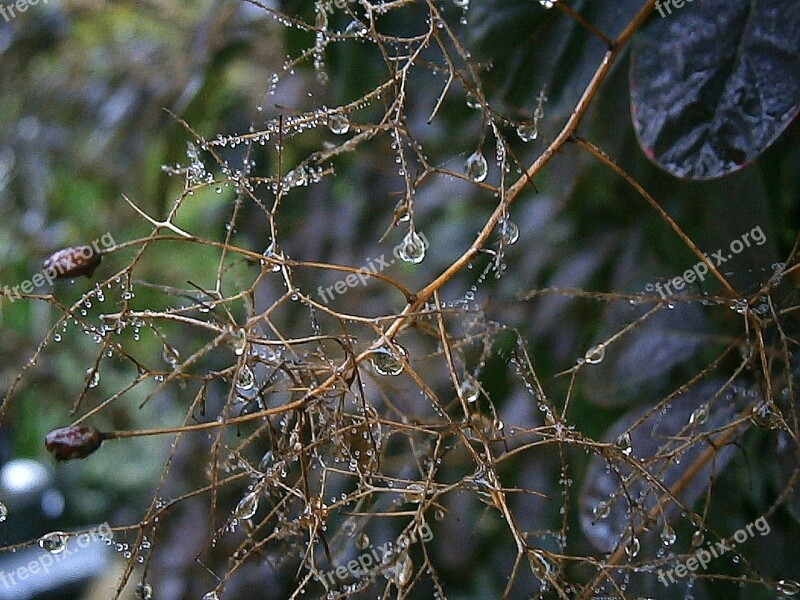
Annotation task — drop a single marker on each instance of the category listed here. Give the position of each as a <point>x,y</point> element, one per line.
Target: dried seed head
<point>75,261</point>
<point>76,441</point>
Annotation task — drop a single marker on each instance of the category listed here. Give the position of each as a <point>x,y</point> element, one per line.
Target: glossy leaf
<point>714,83</point>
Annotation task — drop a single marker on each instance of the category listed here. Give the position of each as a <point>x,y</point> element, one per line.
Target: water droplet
<point>412,250</point>
<point>476,167</point>
<point>528,132</point>
<point>602,510</point>
<point>402,571</point>
<point>356,28</point>
<point>624,443</point>
<point>170,355</point>
<point>266,460</point>
<point>362,541</point>
<point>787,587</point>
<point>245,380</point>
<point>632,547</point>
<point>438,514</point>
<point>3,512</point>
<point>296,178</point>
<point>144,591</point>
<point>469,390</point>
<point>92,377</point>
<point>54,542</point>
<point>699,416</point>
<point>273,251</point>
<point>385,362</point>
<point>461,3</point>
<point>595,354</point>
<point>765,416</point>
<point>212,595</point>
<point>698,537</point>
<point>547,3</point>
<point>540,566</point>
<point>509,232</point>
<point>239,341</point>
<point>338,123</point>
<point>247,506</point>
<point>472,102</point>
<point>668,536</point>
<point>322,18</point>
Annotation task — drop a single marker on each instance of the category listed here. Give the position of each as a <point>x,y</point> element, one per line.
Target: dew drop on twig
<point>412,250</point>
<point>144,591</point>
<point>595,354</point>
<point>476,167</point>
<point>54,542</point>
<point>668,536</point>
<point>245,380</point>
<point>386,362</point>
<point>247,506</point>
<point>338,123</point>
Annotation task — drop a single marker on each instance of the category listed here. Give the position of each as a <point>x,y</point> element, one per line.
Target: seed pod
<point>75,261</point>
<point>76,441</point>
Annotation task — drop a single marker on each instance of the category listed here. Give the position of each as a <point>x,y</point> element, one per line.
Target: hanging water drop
<point>402,571</point>
<point>54,542</point>
<point>509,232</point>
<point>469,390</point>
<point>595,354</point>
<point>265,462</point>
<point>274,252</point>
<point>239,341</point>
<point>212,595</point>
<point>3,512</point>
<point>476,167</point>
<point>699,416</point>
<point>528,132</point>
<point>668,536</point>
<point>602,510</point>
<point>540,566</point>
<point>144,591</point>
<point>247,506</point>
<point>765,416</point>
<point>386,362</point>
<point>355,28</point>
<point>362,541</point>
<point>92,377</point>
<point>698,537</point>
<point>170,355</point>
<point>787,587</point>
<point>624,443</point>
<point>632,547</point>
<point>245,380</point>
<point>412,249</point>
<point>338,123</point>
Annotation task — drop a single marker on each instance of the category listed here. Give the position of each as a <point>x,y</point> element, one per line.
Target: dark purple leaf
<point>715,82</point>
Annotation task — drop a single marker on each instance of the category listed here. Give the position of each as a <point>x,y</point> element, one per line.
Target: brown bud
<point>75,261</point>
<point>76,441</point>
